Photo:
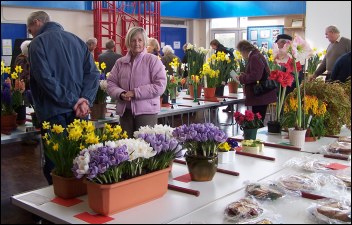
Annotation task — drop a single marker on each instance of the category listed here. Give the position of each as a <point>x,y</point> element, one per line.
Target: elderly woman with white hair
<point>22,60</point>
<point>137,81</point>
<point>168,58</point>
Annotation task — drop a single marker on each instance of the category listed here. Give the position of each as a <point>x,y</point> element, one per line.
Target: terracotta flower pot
<point>107,199</point>
<point>8,123</point>
<point>209,93</point>
<point>233,87</point>
<point>201,168</point>
<point>68,187</point>
<point>191,90</point>
<point>98,111</point>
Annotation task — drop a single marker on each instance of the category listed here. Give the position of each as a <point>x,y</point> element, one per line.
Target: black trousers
<point>261,109</point>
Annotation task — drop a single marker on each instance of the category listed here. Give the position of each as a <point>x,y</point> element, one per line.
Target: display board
<point>264,36</point>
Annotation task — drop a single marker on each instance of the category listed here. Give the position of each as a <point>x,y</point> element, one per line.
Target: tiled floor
<point>21,171</point>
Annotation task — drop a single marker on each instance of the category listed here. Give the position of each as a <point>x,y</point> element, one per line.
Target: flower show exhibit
<point>300,157</point>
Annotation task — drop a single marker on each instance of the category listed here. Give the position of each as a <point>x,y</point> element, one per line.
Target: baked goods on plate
<point>264,191</point>
<point>333,211</point>
<point>244,208</point>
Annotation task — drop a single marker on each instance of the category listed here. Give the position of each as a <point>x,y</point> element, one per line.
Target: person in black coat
<point>342,68</point>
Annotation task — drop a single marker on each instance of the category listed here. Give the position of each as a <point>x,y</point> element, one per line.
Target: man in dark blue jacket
<point>63,76</point>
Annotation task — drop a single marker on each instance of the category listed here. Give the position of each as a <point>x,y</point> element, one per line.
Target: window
<point>224,23</point>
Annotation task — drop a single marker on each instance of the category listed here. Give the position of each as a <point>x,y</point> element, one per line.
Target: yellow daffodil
<point>14,75</point>
<point>103,65</point>
<point>56,147</point>
<point>57,129</point>
<point>18,69</point>
<point>224,146</point>
<point>46,125</point>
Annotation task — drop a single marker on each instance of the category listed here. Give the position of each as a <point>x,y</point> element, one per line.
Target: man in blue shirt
<point>63,75</point>
<point>342,68</point>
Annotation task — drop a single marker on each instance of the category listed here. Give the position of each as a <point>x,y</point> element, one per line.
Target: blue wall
<point>222,9</point>
<point>191,9</point>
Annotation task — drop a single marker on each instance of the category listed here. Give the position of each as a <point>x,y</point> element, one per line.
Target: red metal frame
<point>111,15</point>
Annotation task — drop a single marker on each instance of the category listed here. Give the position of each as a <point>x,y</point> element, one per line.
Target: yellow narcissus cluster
<point>113,133</point>
<point>211,75</point>
<point>174,64</point>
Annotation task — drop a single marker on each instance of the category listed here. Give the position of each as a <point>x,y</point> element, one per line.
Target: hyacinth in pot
<point>119,169</point>
<point>202,142</point>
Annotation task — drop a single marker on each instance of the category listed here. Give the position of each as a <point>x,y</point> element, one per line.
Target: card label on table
<point>174,106</point>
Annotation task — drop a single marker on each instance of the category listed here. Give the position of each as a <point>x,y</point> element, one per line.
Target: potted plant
<point>233,144</point>
<point>314,61</point>
<point>249,123</point>
<point>173,81</point>
<point>224,64</point>
<point>293,55</point>
<point>202,143</point>
<point>314,111</point>
<point>11,98</point>
<point>61,146</point>
<point>119,169</point>
<point>284,79</point>
<point>195,60</point>
<point>336,96</point>
<point>251,146</point>
<point>210,78</point>
<point>224,152</point>
<point>99,105</point>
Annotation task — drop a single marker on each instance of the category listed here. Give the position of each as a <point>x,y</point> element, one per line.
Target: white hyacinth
<point>103,85</point>
<point>157,129</point>
<point>137,148</point>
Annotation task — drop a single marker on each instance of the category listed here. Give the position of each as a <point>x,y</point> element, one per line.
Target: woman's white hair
<point>168,49</point>
<point>24,47</point>
<point>130,34</point>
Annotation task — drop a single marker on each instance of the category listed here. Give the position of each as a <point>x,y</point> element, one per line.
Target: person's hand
<point>124,97</point>
<point>130,94</point>
<point>81,108</point>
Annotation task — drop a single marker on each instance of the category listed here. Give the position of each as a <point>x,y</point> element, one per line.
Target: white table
<point>312,147</point>
<point>289,209</point>
<point>173,204</point>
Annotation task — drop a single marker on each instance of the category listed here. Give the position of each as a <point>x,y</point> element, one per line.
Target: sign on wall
<point>264,36</point>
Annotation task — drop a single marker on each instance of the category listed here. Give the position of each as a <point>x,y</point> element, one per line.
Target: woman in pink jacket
<point>137,80</point>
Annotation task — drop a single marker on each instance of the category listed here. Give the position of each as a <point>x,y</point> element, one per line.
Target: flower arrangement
<point>100,98</point>
<point>223,63</point>
<point>161,140</point>
<point>314,61</point>
<point>112,161</point>
<point>240,62</point>
<point>248,120</point>
<point>211,79</point>
<point>200,139</point>
<point>284,79</point>
<point>314,114</point>
<point>268,54</point>
<point>293,55</point>
<point>11,90</point>
<point>62,145</point>
<point>195,59</point>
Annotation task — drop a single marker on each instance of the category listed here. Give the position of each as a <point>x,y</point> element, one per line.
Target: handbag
<point>264,85</point>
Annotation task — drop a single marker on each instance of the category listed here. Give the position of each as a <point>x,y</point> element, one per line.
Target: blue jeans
<point>64,120</point>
